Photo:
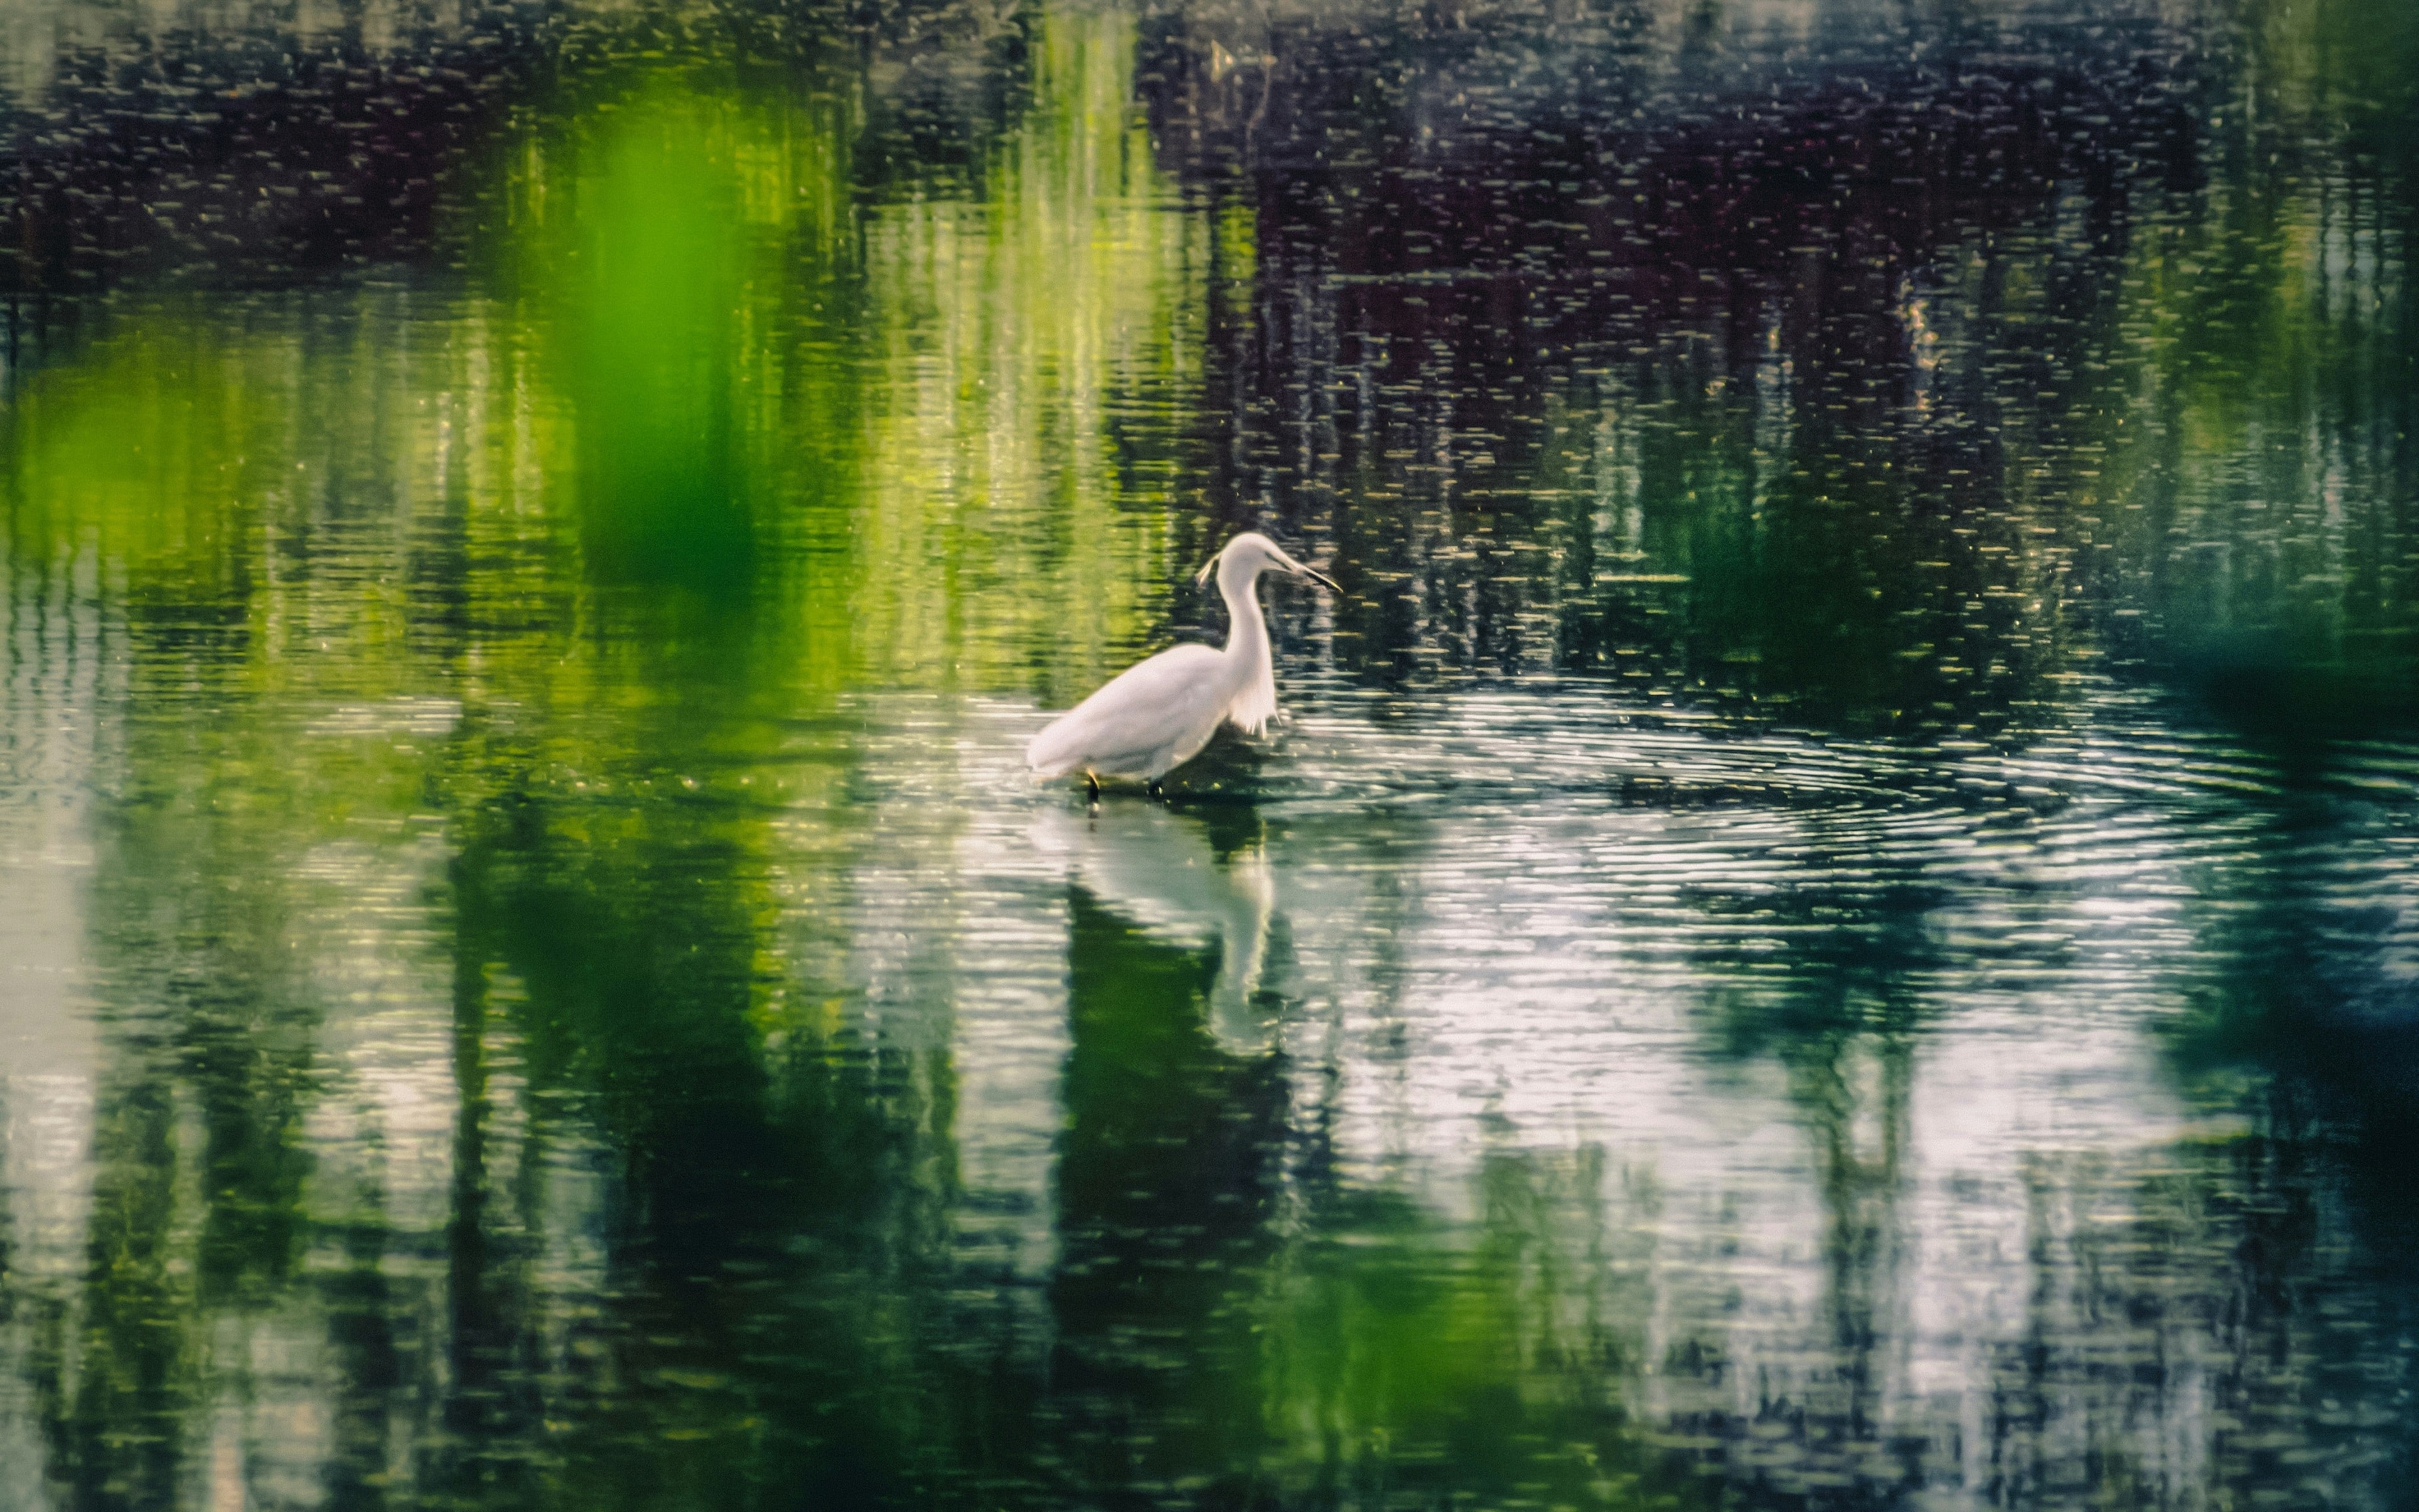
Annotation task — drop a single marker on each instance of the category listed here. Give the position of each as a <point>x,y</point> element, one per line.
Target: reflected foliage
<point>1835,927</point>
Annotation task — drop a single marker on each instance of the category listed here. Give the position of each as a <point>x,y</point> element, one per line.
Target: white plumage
<point>1158,714</point>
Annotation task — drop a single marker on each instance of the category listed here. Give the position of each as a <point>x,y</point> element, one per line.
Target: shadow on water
<point>767,1221</point>
<point>2310,963</point>
<point>1591,355</point>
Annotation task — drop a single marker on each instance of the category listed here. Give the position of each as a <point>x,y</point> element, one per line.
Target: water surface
<point>1834,922</point>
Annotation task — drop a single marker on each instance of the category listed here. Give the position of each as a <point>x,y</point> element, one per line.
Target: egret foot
<point>1091,787</point>
<point>1155,791</point>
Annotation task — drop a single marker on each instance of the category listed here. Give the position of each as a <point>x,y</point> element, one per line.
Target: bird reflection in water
<point>1163,871</point>
<point>1170,1159</point>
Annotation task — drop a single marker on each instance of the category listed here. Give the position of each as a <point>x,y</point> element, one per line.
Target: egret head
<point>1251,553</point>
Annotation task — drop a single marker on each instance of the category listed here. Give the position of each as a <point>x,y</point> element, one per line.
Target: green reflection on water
<point>497,675</point>
<point>1231,1323</point>
<point>494,648</point>
<point>1041,347</point>
<point>476,670</point>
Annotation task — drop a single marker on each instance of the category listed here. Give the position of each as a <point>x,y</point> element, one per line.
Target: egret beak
<point>1313,574</point>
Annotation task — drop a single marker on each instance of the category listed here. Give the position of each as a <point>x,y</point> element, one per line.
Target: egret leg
<point>1155,792</point>
<point>1092,787</point>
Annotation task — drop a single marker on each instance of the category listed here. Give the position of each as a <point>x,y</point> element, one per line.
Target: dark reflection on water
<point>1834,924</point>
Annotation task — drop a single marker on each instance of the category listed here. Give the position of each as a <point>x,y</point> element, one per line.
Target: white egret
<point>1158,714</point>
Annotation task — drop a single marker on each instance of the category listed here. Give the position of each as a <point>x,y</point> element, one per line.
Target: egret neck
<point>1250,671</point>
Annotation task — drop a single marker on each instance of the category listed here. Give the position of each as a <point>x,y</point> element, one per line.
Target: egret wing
<point>1171,701</point>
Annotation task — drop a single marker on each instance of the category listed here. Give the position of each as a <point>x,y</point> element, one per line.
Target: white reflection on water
<point>1482,950</point>
<point>49,735</point>
<point>1861,1043</point>
<point>1158,869</point>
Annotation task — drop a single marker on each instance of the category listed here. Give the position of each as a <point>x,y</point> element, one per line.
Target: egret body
<point>1158,714</point>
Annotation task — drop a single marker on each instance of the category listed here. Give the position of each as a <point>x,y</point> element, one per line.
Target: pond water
<point>1834,920</point>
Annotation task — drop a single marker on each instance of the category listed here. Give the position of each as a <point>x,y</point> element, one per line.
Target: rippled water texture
<point>1834,923</point>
